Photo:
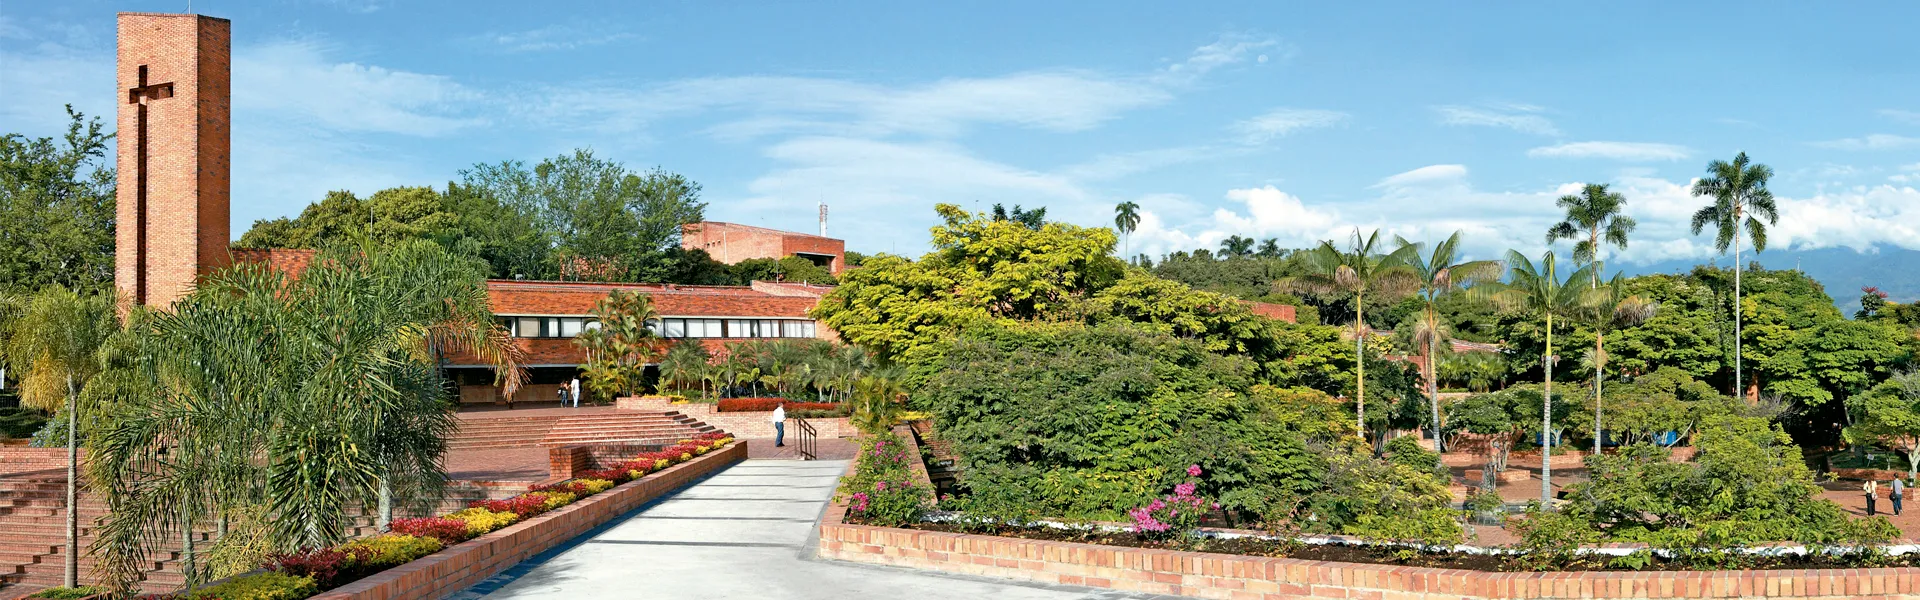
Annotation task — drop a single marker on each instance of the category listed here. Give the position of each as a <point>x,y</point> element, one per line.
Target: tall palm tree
<point>1740,200</point>
<point>1537,289</point>
<point>53,342</point>
<point>1616,309</point>
<point>1126,217</point>
<point>1359,271</point>
<point>1595,215</point>
<point>1439,275</point>
<point>307,396</point>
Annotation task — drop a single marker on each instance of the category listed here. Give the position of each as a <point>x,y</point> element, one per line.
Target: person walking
<point>562,393</point>
<point>1872,487</point>
<point>1899,490</point>
<point>780,425</point>
<point>574,388</point>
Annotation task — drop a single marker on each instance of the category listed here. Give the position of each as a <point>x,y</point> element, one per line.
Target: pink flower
<point>880,485</point>
<point>1193,470</point>
<point>1184,489</point>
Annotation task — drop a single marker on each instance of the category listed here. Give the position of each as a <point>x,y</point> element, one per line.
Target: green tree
<point>1740,200</point>
<point>1031,219</point>
<point>1538,290</point>
<point>1890,414</point>
<point>684,365</point>
<point>619,343</point>
<point>1236,246</point>
<point>308,396</point>
<point>1440,274</point>
<point>1666,400</point>
<point>877,402</point>
<point>1359,271</point>
<point>57,210</point>
<point>53,343</point>
<point>792,268</point>
<point>1126,217</point>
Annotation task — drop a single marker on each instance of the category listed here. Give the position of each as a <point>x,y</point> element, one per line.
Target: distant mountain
<point>1842,271</point>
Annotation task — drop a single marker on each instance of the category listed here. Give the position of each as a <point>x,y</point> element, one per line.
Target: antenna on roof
<point>823,219</point>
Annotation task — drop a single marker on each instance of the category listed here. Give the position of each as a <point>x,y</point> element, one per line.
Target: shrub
<point>1174,516</point>
<point>552,500</point>
<point>479,520</point>
<point>524,505</point>
<point>390,550</point>
<point>1429,530</point>
<point>326,567</point>
<point>264,586</point>
<point>890,503</point>
<point>448,530</point>
<point>66,593</point>
<point>596,485</point>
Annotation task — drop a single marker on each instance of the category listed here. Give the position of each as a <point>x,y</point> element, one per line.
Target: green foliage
<point>67,593</point>
<point>390,550</point>
<point>882,489</point>
<point>620,344</point>
<point>311,396</point>
<point>792,269</point>
<point>57,210</point>
<point>1551,540</point>
<point>1889,414</point>
<point>17,423</point>
<point>1359,488</point>
<point>877,403</point>
<point>262,586</point>
<point>1665,400</point>
<point>573,216</point>
<point>245,545</point>
<point>1423,531</point>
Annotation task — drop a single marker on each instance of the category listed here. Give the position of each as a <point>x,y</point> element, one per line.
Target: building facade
<point>731,243</point>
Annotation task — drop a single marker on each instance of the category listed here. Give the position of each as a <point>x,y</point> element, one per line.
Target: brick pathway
<point>746,532</point>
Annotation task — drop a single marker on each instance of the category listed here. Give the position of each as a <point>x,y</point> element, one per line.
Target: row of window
<point>566,327</point>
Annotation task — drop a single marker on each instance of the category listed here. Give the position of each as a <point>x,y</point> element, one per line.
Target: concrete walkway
<point>746,532</point>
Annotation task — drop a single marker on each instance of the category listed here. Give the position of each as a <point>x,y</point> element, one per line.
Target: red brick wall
<point>467,563</point>
<point>1204,575</point>
<point>188,148</point>
<point>1270,310</point>
<point>731,243</point>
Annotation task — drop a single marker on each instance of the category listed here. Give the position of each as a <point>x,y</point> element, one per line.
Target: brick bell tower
<point>175,98</point>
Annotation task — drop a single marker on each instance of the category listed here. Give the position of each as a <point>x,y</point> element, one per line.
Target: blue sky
<point>1294,121</point>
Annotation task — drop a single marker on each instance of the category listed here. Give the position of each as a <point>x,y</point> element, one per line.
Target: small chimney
<point>823,219</point>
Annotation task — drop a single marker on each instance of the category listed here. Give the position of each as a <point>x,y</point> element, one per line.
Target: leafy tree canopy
<point>57,210</point>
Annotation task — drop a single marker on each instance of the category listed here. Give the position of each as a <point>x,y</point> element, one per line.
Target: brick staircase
<point>33,547</point>
<point>605,427</point>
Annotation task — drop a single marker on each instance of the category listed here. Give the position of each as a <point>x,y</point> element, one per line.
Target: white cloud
<point>297,80</point>
<point>1524,118</point>
<point>554,37</point>
<point>1877,141</point>
<point>1282,121</point>
<point>1626,151</point>
<point>1425,176</point>
<point>759,106</point>
<point>1229,49</point>
<point>1904,116</point>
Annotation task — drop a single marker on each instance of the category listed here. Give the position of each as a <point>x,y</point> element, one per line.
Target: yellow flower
<point>480,520</point>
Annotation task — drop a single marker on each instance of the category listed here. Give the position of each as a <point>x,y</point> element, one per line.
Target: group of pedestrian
<point>570,391</point>
<point>1895,493</point>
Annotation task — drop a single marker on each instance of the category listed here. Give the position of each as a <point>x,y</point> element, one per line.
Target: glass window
<point>739,328</point>
<point>570,327</point>
<point>675,328</point>
<point>797,329</point>
<point>769,328</point>
<point>527,327</point>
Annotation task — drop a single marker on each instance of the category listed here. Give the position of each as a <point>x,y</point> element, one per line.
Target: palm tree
<point>1615,310</point>
<point>1126,217</point>
<point>1537,289</point>
<point>1361,270</point>
<point>1236,247</point>
<point>307,396</point>
<point>1740,200</point>
<point>53,342</point>
<point>1595,214</point>
<point>1439,275</point>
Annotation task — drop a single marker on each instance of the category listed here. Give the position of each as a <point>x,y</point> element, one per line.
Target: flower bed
<point>389,565</point>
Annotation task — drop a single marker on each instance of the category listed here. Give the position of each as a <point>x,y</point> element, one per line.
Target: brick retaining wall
<point>461,566</point>
<point>1236,577</point>
<point>740,424</point>
<point>566,462</point>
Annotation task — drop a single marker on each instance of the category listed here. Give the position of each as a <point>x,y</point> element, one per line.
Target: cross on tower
<point>140,94</point>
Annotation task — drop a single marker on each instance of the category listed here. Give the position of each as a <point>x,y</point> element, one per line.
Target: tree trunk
<point>72,577</point>
<point>1740,391</point>
<point>1599,374</point>
<point>1546,423</point>
<point>386,503</point>
<point>186,546</point>
<point>1433,381</point>
<point>1360,362</point>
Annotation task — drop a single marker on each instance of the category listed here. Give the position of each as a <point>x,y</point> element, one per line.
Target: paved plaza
<point>746,532</point>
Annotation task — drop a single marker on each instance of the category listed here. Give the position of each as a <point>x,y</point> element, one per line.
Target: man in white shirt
<point>575,390</point>
<point>780,425</point>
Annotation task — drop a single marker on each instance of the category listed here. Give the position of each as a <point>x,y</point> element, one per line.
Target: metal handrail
<point>806,438</point>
